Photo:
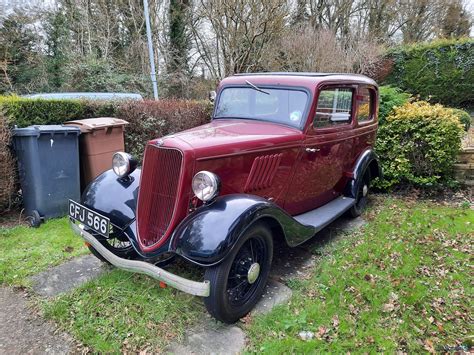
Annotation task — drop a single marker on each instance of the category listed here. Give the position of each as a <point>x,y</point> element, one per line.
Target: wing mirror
<point>212,96</point>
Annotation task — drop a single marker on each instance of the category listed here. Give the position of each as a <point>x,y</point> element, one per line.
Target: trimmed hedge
<point>441,71</point>
<point>24,112</point>
<point>7,181</point>
<point>418,145</point>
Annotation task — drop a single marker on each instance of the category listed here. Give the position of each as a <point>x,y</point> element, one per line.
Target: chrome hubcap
<point>365,190</point>
<point>253,273</point>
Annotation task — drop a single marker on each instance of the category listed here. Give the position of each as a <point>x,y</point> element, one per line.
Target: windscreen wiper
<point>257,88</point>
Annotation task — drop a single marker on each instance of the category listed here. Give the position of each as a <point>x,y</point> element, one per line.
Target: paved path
<point>67,276</point>
<point>24,332</point>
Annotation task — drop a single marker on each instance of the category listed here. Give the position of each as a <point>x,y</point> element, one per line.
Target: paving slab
<point>24,332</point>
<point>276,293</point>
<point>211,337</point>
<point>67,276</point>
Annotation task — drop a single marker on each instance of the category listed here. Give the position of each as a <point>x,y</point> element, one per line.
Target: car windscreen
<point>284,106</point>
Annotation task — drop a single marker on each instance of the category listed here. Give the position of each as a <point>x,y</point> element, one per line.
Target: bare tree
<point>455,21</point>
<point>320,50</point>
<point>232,35</point>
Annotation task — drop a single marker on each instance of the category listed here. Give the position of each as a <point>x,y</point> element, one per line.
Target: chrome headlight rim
<point>128,164</point>
<point>213,186</point>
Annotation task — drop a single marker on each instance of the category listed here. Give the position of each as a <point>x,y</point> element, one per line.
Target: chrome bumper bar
<point>141,267</point>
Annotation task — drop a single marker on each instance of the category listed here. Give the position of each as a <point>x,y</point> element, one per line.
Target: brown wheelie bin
<point>100,138</point>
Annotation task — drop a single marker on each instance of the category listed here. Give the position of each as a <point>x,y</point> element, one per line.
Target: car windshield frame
<point>304,115</point>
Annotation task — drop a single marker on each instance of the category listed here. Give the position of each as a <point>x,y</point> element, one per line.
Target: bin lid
<point>37,130</point>
<point>92,124</point>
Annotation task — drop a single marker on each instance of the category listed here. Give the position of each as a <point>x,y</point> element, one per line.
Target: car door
<point>326,151</point>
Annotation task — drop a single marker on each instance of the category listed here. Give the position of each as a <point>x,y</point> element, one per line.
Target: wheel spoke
<point>251,250</point>
<point>235,287</point>
<point>239,288</point>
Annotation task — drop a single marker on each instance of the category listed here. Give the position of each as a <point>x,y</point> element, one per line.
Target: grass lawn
<point>402,283</point>
<point>124,312</point>
<point>26,251</point>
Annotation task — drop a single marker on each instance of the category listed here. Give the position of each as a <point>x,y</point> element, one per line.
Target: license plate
<point>89,218</point>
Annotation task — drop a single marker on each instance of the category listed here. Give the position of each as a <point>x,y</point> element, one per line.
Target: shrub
<point>390,97</point>
<point>154,119</point>
<point>7,182</point>
<point>418,145</point>
<point>24,112</point>
<point>464,117</point>
<point>442,71</point>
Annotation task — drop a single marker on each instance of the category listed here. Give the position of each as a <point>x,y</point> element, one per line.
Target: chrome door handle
<point>312,150</point>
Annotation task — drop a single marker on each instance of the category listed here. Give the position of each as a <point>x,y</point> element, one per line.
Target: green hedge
<point>24,112</point>
<point>441,71</point>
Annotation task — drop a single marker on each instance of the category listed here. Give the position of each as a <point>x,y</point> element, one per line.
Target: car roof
<point>307,79</point>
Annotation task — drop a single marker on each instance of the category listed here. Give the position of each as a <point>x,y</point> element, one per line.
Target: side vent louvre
<point>262,172</point>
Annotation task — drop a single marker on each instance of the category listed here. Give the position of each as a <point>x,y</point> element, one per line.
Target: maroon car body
<point>291,151</point>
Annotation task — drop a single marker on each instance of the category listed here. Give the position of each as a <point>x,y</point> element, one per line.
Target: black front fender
<point>114,198</point>
<point>208,234</point>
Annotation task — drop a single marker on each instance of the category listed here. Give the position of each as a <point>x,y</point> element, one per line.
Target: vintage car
<point>284,155</point>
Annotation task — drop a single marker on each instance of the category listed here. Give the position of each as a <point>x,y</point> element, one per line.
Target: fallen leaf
<point>428,345</point>
<point>388,307</point>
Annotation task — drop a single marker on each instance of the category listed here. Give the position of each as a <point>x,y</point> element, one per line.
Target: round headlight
<point>206,185</point>
<point>123,164</point>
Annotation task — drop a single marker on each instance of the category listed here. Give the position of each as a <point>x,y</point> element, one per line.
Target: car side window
<point>365,111</point>
<point>334,107</point>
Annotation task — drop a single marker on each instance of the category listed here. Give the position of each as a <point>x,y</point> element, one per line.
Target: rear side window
<point>334,107</point>
<point>365,111</point>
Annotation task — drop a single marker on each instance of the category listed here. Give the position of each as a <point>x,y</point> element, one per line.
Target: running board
<point>322,216</point>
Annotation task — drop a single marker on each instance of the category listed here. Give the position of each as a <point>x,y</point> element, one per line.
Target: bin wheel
<point>239,281</point>
<point>34,220</point>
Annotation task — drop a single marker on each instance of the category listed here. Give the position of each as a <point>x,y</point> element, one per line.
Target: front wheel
<point>123,248</point>
<point>239,281</point>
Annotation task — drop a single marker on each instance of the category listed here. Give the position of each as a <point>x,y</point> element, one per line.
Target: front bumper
<point>141,267</point>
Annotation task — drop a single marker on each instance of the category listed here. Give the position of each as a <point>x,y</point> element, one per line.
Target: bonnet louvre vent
<point>262,172</point>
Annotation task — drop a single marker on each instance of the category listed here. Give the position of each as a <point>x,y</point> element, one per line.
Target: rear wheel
<point>239,281</point>
<point>362,194</point>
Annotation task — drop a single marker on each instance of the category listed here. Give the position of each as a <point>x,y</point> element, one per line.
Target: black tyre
<point>123,248</point>
<point>239,281</point>
<point>119,246</point>
<point>361,198</point>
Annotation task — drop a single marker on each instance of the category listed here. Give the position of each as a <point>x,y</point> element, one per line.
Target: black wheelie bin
<point>48,166</point>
